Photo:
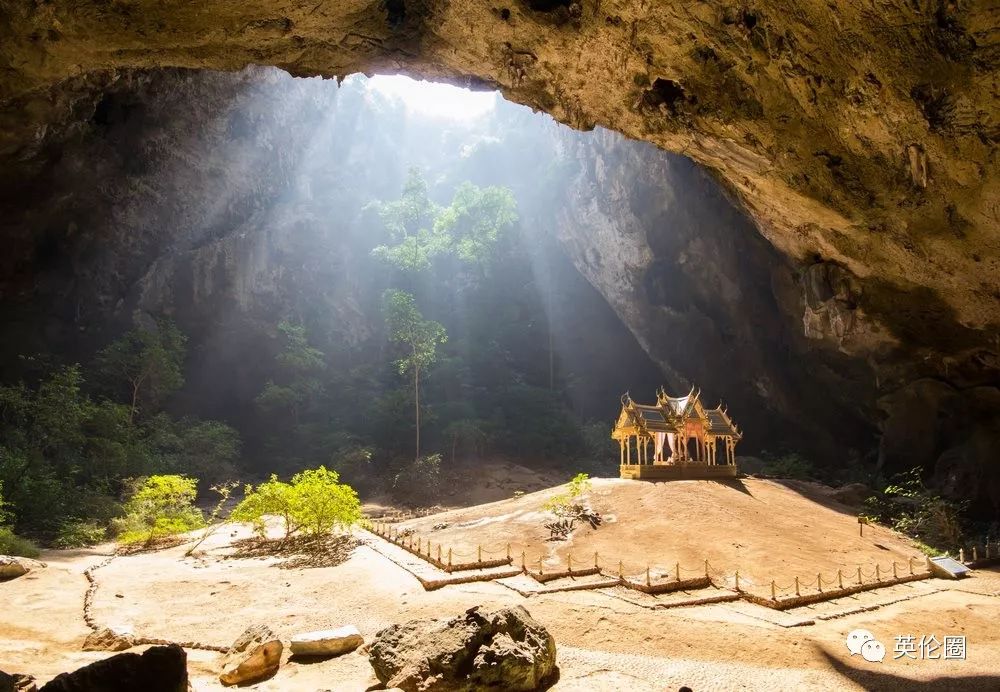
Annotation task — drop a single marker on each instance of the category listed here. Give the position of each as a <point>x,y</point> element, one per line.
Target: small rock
<point>327,642</point>
<point>255,655</point>
<point>16,682</point>
<point>158,669</point>
<point>13,567</point>
<point>110,639</point>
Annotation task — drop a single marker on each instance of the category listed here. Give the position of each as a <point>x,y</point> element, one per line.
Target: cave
<point>722,196</point>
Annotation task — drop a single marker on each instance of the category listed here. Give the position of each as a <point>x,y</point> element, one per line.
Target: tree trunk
<point>416,404</point>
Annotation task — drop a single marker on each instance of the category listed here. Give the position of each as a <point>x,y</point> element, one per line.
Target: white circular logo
<point>856,639</point>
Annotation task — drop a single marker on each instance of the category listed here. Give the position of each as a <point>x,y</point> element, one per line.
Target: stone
<point>482,649</point>
<point>327,642</point>
<point>115,638</point>
<point>254,656</point>
<point>16,682</point>
<point>12,567</point>
<point>158,669</point>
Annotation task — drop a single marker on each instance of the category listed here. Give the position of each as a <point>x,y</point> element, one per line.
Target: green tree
<point>315,502</point>
<point>159,506</point>
<point>468,228</point>
<point>420,336</point>
<point>410,222</point>
<point>471,225</point>
<point>300,366</point>
<point>147,363</point>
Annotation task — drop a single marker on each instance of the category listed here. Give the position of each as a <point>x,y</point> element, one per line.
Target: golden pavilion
<point>677,437</point>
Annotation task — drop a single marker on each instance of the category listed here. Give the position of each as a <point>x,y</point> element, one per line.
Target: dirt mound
<point>765,529</point>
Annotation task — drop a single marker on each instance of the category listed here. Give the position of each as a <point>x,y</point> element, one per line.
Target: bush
<point>321,502</point>
<point>912,508</point>
<point>419,481</point>
<point>271,498</point>
<point>15,545</point>
<point>159,506</point>
<point>790,465</point>
<point>314,502</point>
<point>77,533</point>
<point>561,503</point>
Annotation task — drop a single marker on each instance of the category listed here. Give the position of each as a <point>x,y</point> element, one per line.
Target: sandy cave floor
<point>603,643</point>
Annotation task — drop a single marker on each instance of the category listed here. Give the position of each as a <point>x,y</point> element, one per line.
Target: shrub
<point>912,508</point>
<point>15,545</point>
<point>790,465</point>
<point>321,502</point>
<point>315,502</point>
<point>420,480</point>
<point>159,506</point>
<point>77,533</point>
<point>271,498</point>
<point>578,485</point>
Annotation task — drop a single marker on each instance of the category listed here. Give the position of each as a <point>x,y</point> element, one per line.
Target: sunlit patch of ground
<point>604,643</point>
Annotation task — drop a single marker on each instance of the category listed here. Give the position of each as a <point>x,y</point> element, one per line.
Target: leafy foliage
<point>11,544</point>
<point>577,486</point>
<point>159,506</point>
<point>144,364</point>
<point>910,507</point>
<point>420,336</point>
<point>314,502</point>
<point>419,480</point>
<point>79,533</point>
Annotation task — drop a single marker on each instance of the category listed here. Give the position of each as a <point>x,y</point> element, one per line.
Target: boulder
<point>327,642</point>
<point>16,682</point>
<point>255,655</point>
<point>12,567</point>
<point>115,638</point>
<point>482,649</point>
<point>158,669</point>
<point>852,494</point>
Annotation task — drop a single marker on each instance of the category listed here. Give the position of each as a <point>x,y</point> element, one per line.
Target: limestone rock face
<point>327,642</point>
<point>158,669</point>
<point>110,639</point>
<point>482,649</point>
<point>255,655</point>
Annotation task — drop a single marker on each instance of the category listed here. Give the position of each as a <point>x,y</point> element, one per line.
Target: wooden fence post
<point>569,563</point>
<point>961,554</point>
<point>596,566</point>
<point>819,582</point>
<point>648,583</point>
<point>797,587</point>
<point>774,596</point>
<point>677,571</point>
<point>522,560</point>
<point>479,553</point>
<point>439,553</point>
<point>508,552</point>
<point>706,568</point>
<point>859,575</point>
<point>911,565</point>
<point>539,566</point>
<point>895,575</point>
<point>621,570</point>
<point>840,579</point>
<point>449,557</point>
<point>878,577</point>
<point>737,580</point>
